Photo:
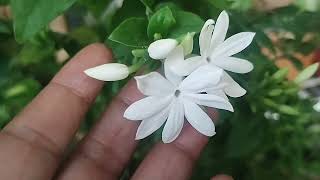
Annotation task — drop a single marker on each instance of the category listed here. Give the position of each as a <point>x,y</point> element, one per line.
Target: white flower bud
<point>108,72</point>
<point>160,49</point>
<point>187,43</point>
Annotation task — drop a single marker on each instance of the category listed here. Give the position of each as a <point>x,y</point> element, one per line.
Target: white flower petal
<point>154,84</point>
<point>198,119</point>
<point>233,44</point>
<point>205,37</point>
<point>220,30</point>
<point>233,89</point>
<point>202,78</point>
<point>146,107</point>
<point>234,64</point>
<point>219,92</point>
<point>150,125</point>
<point>175,56</point>
<point>185,67</point>
<point>174,123</point>
<point>108,72</point>
<point>160,49</point>
<point>210,100</point>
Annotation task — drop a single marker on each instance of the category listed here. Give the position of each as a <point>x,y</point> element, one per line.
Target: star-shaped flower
<point>217,52</point>
<point>169,100</point>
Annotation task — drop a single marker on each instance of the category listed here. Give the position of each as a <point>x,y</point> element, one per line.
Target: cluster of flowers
<point>189,82</point>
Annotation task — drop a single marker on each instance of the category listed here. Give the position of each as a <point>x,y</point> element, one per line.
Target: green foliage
<point>132,32</point>
<point>307,73</point>
<point>273,134</point>
<point>31,16</point>
<point>161,22</point>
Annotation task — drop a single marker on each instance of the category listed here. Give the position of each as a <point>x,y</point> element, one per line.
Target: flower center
<point>177,93</point>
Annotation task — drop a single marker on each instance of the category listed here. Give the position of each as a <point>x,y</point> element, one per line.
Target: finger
<point>222,177</point>
<point>106,150</point>
<point>39,134</point>
<point>163,160</point>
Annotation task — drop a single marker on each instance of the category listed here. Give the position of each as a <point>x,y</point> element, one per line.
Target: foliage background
<point>274,132</point>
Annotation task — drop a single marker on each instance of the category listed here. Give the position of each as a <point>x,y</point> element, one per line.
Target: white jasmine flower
<point>109,72</point>
<point>169,100</point>
<point>216,51</point>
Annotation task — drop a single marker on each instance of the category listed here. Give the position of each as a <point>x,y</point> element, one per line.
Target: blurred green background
<point>274,132</point>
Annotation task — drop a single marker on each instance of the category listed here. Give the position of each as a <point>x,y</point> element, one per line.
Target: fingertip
<point>222,177</point>
<point>72,75</point>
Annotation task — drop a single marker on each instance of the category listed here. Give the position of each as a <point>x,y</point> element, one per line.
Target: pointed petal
<point>202,78</point>
<point>234,64</point>
<point>108,72</point>
<point>186,67</point>
<point>174,57</point>
<point>220,30</point>
<point>210,100</point>
<point>219,92</point>
<point>174,123</point>
<point>150,125</point>
<point>205,36</point>
<point>233,44</point>
<point>161,49</point>
<point>233,89</point>
<point>198,119</point>
<point>153,84</point>
<point>146,107</point>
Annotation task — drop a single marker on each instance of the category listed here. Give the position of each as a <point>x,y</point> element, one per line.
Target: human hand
<point>33,144</point>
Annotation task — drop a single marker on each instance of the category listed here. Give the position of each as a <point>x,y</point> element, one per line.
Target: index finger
<point>40,133</point>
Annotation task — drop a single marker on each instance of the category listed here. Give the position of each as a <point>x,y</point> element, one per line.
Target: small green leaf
<point>307,73</point>
<point>131,32</point>
<point>161,22</point>
<point>280,74</point>
<point>31,16</point>
<point>288,110</point>
<point>186,22</point>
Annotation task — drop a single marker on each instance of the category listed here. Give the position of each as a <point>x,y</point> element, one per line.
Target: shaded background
<point>274,132</point>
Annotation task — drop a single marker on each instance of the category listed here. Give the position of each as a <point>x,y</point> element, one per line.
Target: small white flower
<point>172,99</point>
<point>109,72</point>
<point>218,52</point>
<point>160,49</point>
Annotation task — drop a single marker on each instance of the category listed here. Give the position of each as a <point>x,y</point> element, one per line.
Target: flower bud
<point>160,49</point>
<point>187,43</point>
<point>108,72</point>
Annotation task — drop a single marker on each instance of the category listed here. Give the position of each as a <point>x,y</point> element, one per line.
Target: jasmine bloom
<point>170,99</point>
<point>215,51</point>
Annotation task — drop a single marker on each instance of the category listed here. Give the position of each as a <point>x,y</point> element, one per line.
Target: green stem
<point>135,67</point>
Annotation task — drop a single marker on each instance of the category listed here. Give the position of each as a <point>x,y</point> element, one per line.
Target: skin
<point>34,143</point>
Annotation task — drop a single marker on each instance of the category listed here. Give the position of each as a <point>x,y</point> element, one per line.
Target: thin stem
<point>135,67</point>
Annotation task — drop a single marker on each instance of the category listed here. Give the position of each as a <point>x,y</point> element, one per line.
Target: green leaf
<point>132,32</point>
<point>307,73</point>
<point>161,22</point>
<point>4,2</point>
<point>186,22</point>
<point>288,110</point>
<point>31,16</point>
<point>4,29</point>
<point>242,5</point>
<point>281,74</point>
